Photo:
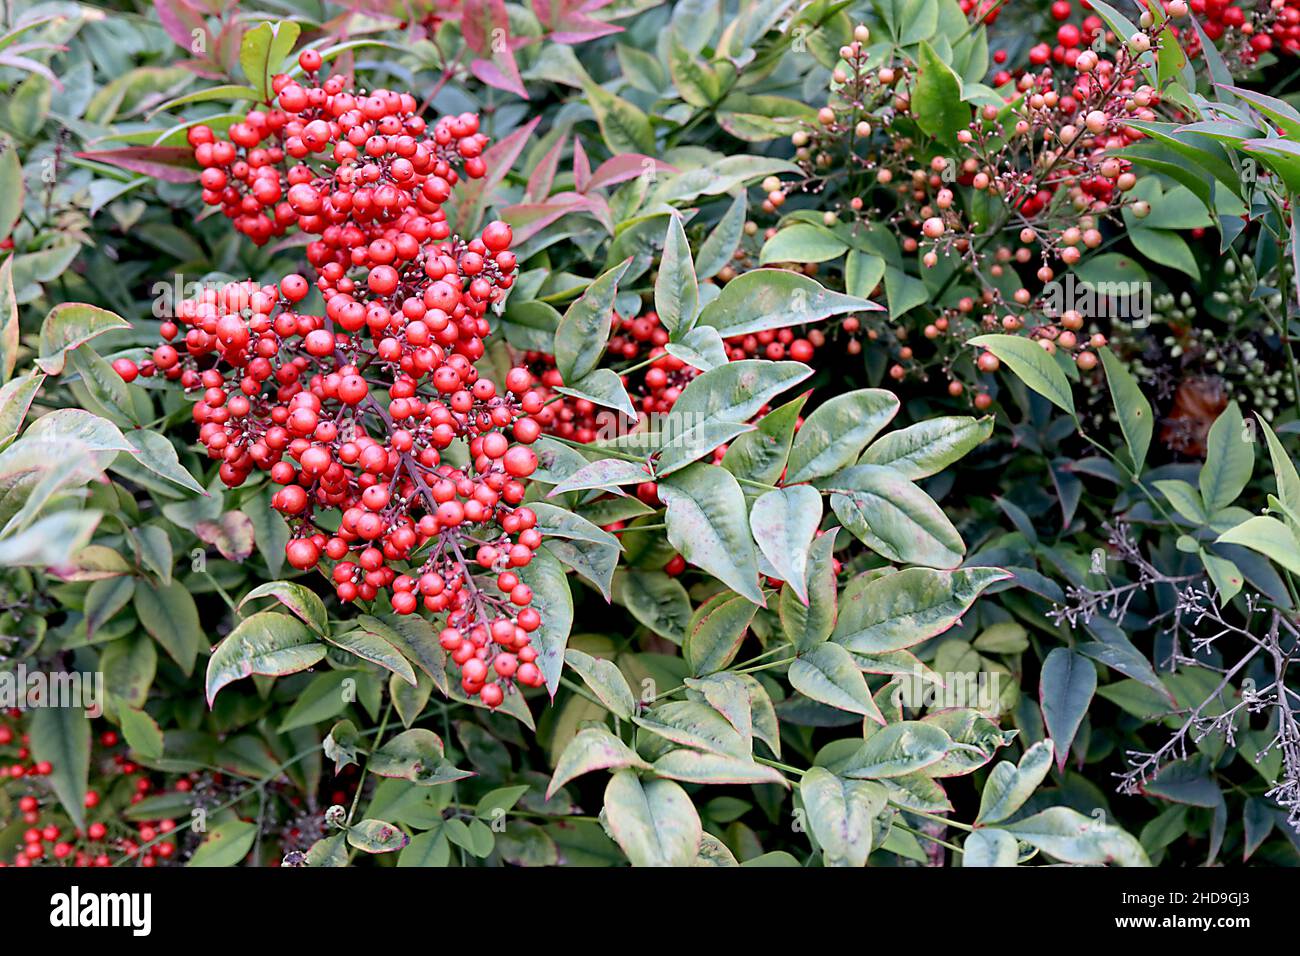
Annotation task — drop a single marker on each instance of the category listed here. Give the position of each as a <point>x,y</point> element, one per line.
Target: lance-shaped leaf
<point>583,333</point>
<point>897,750</point>
<point>605,680</point>
<point>653,821</point>
<point>1032,365</point>
<point>1010,785</point>
<point>928,447</point>
<point>810,620</point>
<point>592,748</point>
<point>267,643</point>
<point>784,523</point>
<point>1065,690</point>
<point>894,517</point>
<point>677,291</point>
<point>827,673</point>
<point>840,814</point>
<point>716,631</point>
<point>708,525</point>
<point>834,434</point>
<point>1071,837</point>
<point>763,299</point>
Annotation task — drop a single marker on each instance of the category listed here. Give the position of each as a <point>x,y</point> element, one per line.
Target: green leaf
<point>69,325</point>
<point>607,473</point>
<point>1071,837</point>
<point>928,447</point>
<point>784,523</point>
<point>141,732</point>
<point>417,755</point>
<point>159,455</point>
<point>371,643</point>
<point>1065,691</point>
<point>1284,470</point>
<point>605,680</point>
<point>592,748</point>
<point>715,632</point>
<point>708,525</point>
<point>262,52</point>
<point>764,299</point>
<point>841,814</point>
<point>61,735</point>
<point>721,244</point>
<point>896,750</point>
<point>1185,499</point>
<point>827,673</point>
<point>553,600</point>
<point>1032,365</point>
<point>376,836</point>
<point>677,291</point>
<point>584,331</point>
<point>802,242</point>
<point>656,600</point>
<point>11,207</point>
<point>1229,460</point>
<point>624,127</point>
<point>761,455</point>
<point>902,609</point>
<point>266,643</point>
<point>695,766</point>
<point>1136,419</point>
<point>603,387</point>
<point>990,848</point>
<point>834,435</point>
<point>304,603</point>
<point>653,821</point>
<point>1269,537</point>
<point>808,614</point>
<point>691,723</point>
<point>9,327</point>
<point>937,105</point>
<point>894,517</point>
<point>170,616</point>
<point>226,844</point>
<point>1010,785</point>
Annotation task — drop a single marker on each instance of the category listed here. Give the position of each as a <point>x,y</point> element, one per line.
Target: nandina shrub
<point>699,429</point>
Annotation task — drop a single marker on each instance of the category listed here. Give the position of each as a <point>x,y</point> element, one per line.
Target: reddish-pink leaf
<point>543,177</point>
<point>171,164</point>
<point>581,167</point>
<point>626,166</point>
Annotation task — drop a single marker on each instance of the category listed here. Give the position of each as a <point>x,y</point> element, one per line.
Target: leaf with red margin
<point>171,164</point>
<point>581,167</point>
<point>625,166</point>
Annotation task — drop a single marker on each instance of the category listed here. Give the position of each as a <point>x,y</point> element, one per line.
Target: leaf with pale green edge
<point>840,814</point>
<point>15,399</point>
<point>677,291</point>
<point>68,325</point>
<point>226,844</point>
<point>985,848</point>
<point>730,695</point>
<point>605,680</point>
<point>808,618</point>
<point>694,724</point>
<point>656,600</point>
<point>371,644</point>
<point>702,348</point>
<point>1229,460</point>
<point>708,525</point>
<point>1010,785</point>
<point>720,245</point>
<point>827,673</point>
<point>715,632</point>
<point>764,299</point>
<point>653,821</point>
<point>64,424</point>
<point>697,766</point>
<point>1065,691</point>
<point>761,455</point>
<point>141,732</point>
<point>603,387</point>
<point>417,755</point>
<point>376,836</point>
<point>168,613</point>
<point>1031,365</point>
<point>584,330</point>
<point>1269,537</point>
<point>896,750</point>
<point>342,744</point>
<point>833,435</point>
<point>1071,837</point>
<point>605,474</point>
<point>731,393</point>
<point>51,542</point>
<point>903,608</point>
<point>894,517</point>
<point>553,600</point>
<point>267,643</point>
<point>784,523</point>
<point>302,601</point>
<point>61,735</point>
<point>926,448</point>
<point>592,748</point>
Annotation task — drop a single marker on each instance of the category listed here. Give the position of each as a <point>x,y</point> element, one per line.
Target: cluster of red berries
<point>45,841</point>
<point>350,410</point>
<point>641,340</point>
